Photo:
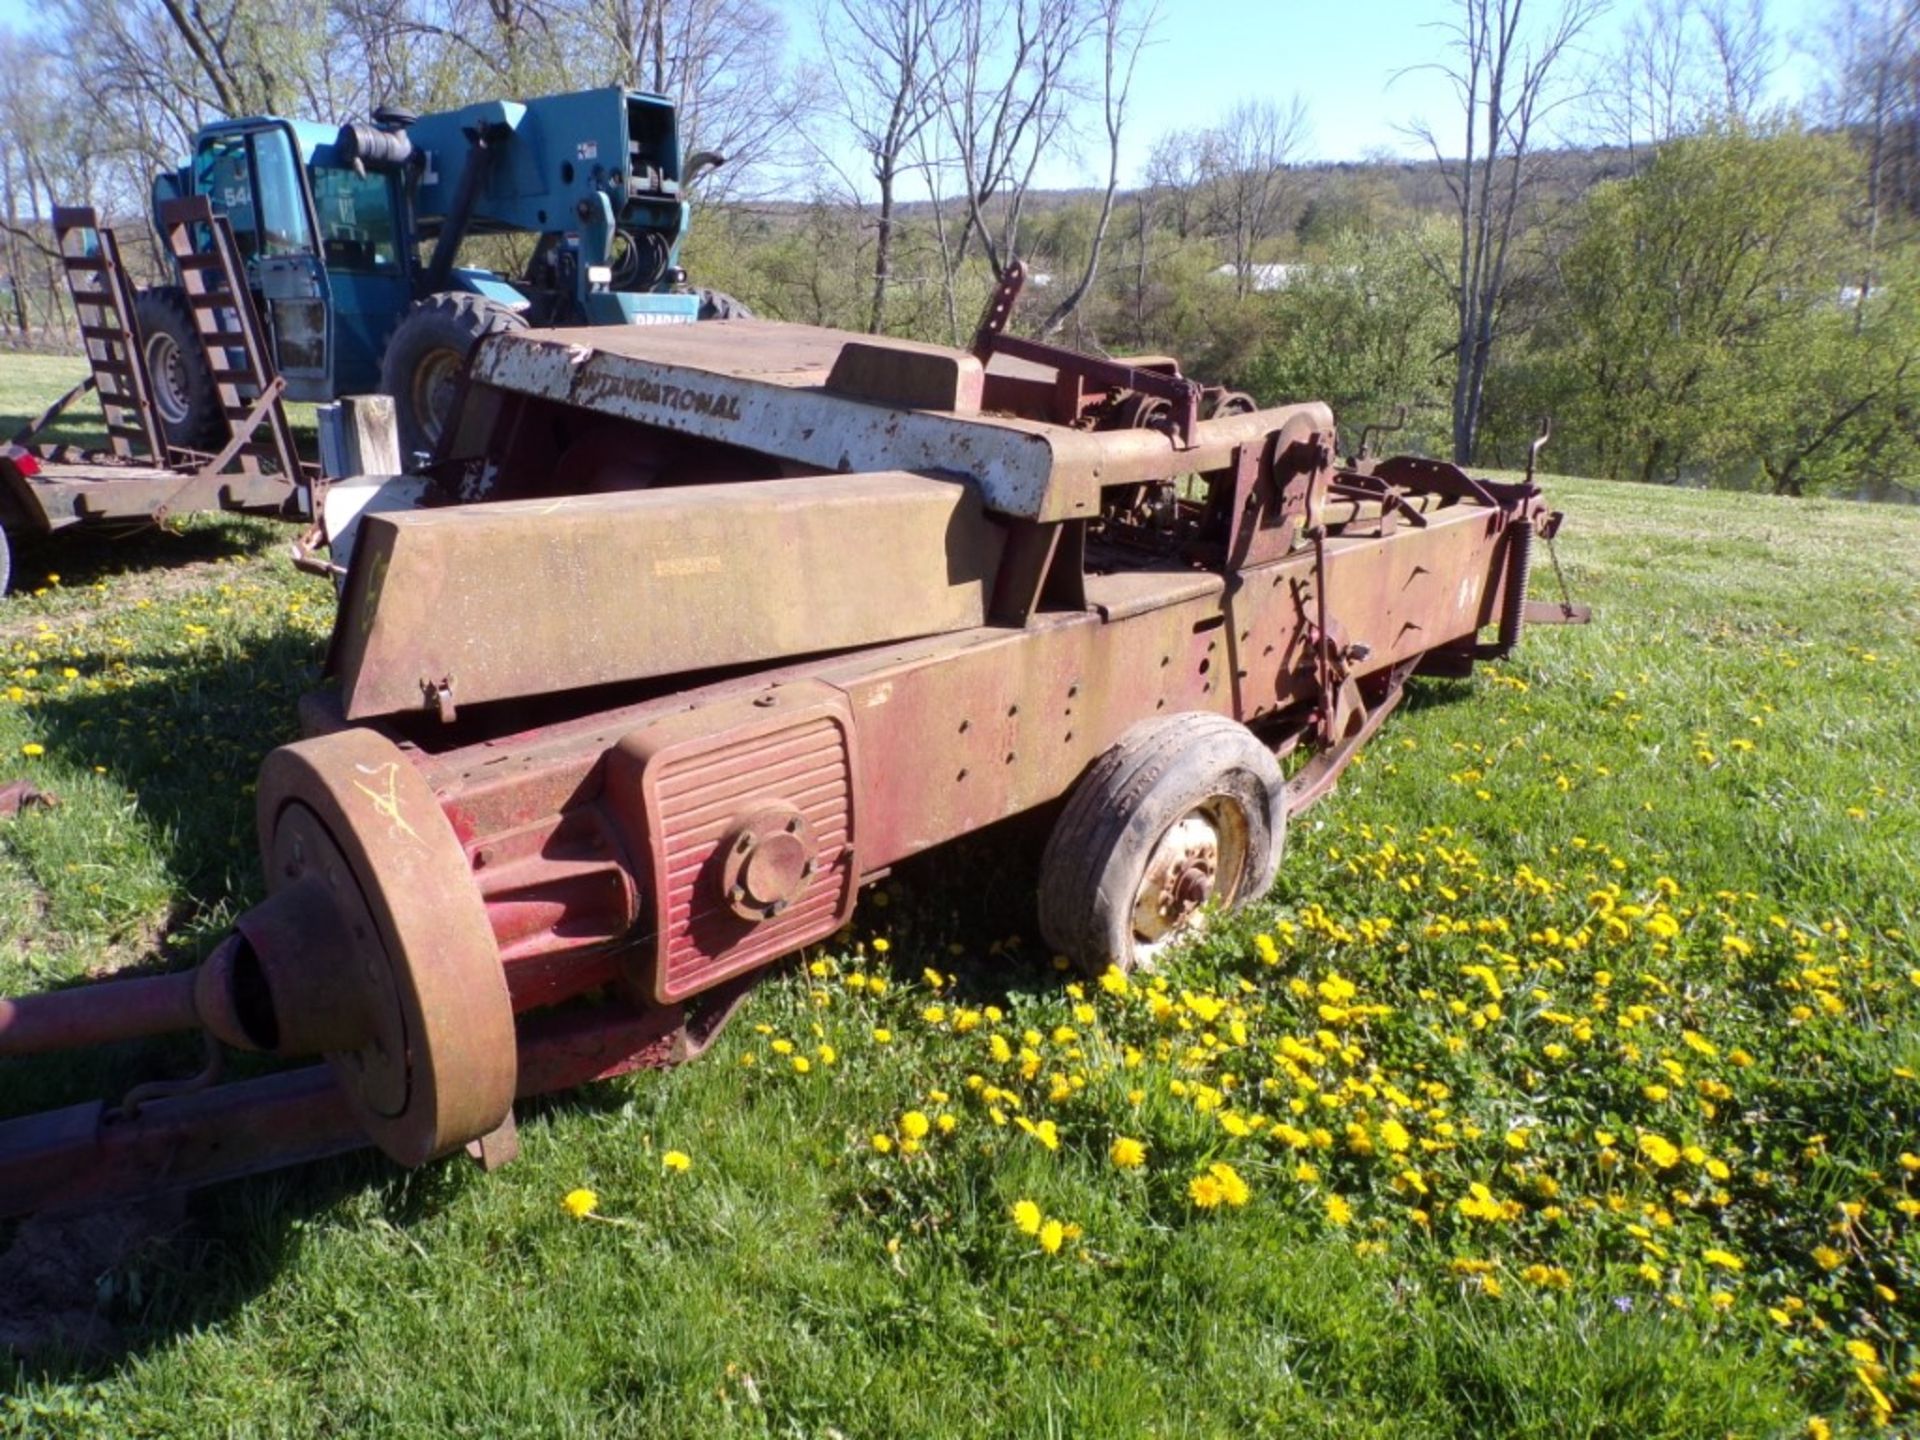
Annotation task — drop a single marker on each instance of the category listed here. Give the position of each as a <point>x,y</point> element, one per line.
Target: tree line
<point>1695,287</point>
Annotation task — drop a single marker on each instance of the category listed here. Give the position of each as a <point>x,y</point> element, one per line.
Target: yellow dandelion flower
<point>1828,1258</point>
<point>1338,1210</point>
<point>1233,1189</point>
<point>915,1125</point>
<point>1725,1259</point>
<point>1661,1151</point>
<point>883,1144</point>
<point>32,748</point>
<point>580,1203</point>
<point>1044,1131</point>
<point>1026,1217</point>
<point>1050,1236</point>
<point>1127,1154</point>
<point>1204,1191</point>
<point>677,1161</point>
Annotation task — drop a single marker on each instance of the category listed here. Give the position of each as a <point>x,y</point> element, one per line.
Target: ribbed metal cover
<point>697,794</point>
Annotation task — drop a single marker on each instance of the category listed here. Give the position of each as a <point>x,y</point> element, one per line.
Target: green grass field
<point>1565,1086</point>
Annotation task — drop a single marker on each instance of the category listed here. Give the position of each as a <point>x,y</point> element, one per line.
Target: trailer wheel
<point>183,388</point>
<point>718,305</point>
<point>1185,810</point>
<point>421,369</point>
<point>6,563</point>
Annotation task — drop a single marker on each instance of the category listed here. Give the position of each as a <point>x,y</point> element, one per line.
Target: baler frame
<point>566,850</point>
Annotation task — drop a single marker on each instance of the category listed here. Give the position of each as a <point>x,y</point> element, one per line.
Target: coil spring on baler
<point>1513,607</point>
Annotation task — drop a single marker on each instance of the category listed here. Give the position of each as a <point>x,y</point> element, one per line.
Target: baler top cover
<point>833,400</point>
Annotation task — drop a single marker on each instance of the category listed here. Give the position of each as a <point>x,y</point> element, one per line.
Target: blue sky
<point>1341,55</point>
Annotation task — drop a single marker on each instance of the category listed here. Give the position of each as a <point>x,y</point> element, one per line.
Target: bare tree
<point>1873,91</point>
<point>724,65</point>
<point>1247,159</point>
<point>934,167</point>
<point>1502,71</point>
<point>1176,169</point>
<point>1007,92</point>
<point>1648,97</point>
<point>1742,50</point>
<point>1681,62</point>
<point>885,70</point>
<point>1122,37</point>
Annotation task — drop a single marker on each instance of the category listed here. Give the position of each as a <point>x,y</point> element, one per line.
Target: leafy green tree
<point>1368,329</point>
<point>1703,296</point>
<point>1835,405</point>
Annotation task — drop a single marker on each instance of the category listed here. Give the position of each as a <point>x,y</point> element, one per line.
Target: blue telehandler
<point>350,237</point>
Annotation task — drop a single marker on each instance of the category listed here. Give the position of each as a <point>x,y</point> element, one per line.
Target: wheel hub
<point>434,384</point>
<point>1179,877</point>
<point>171,393</point>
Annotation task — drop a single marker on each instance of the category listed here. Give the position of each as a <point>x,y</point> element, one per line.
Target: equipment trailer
<point>141,478</point>
<point>713,625</point>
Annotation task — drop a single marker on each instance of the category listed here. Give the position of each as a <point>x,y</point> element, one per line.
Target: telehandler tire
<point>424,360</point>
<point>183,388</point>
<point>1184,811</point>
<point>718,305</point>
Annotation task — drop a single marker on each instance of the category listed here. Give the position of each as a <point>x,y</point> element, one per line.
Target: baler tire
<point>6,562</point>
<point>718,305</point>
<point>425,357</point>
<point>1160,775</point>
<point>183,388</point>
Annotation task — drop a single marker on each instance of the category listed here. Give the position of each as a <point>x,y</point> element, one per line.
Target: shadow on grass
<point>83,555</point>
<point>187,739</point>
<point>186,742</point>
<point>1431,692</point>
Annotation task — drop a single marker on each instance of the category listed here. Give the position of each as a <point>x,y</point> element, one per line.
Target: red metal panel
<point>701,783</point>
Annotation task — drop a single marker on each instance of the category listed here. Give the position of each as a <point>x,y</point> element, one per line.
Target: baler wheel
<point>1184,811</point>
<point>183,388</point>
<point>439,1062</point>
<point>6,562</point>
<point>424,359</point>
